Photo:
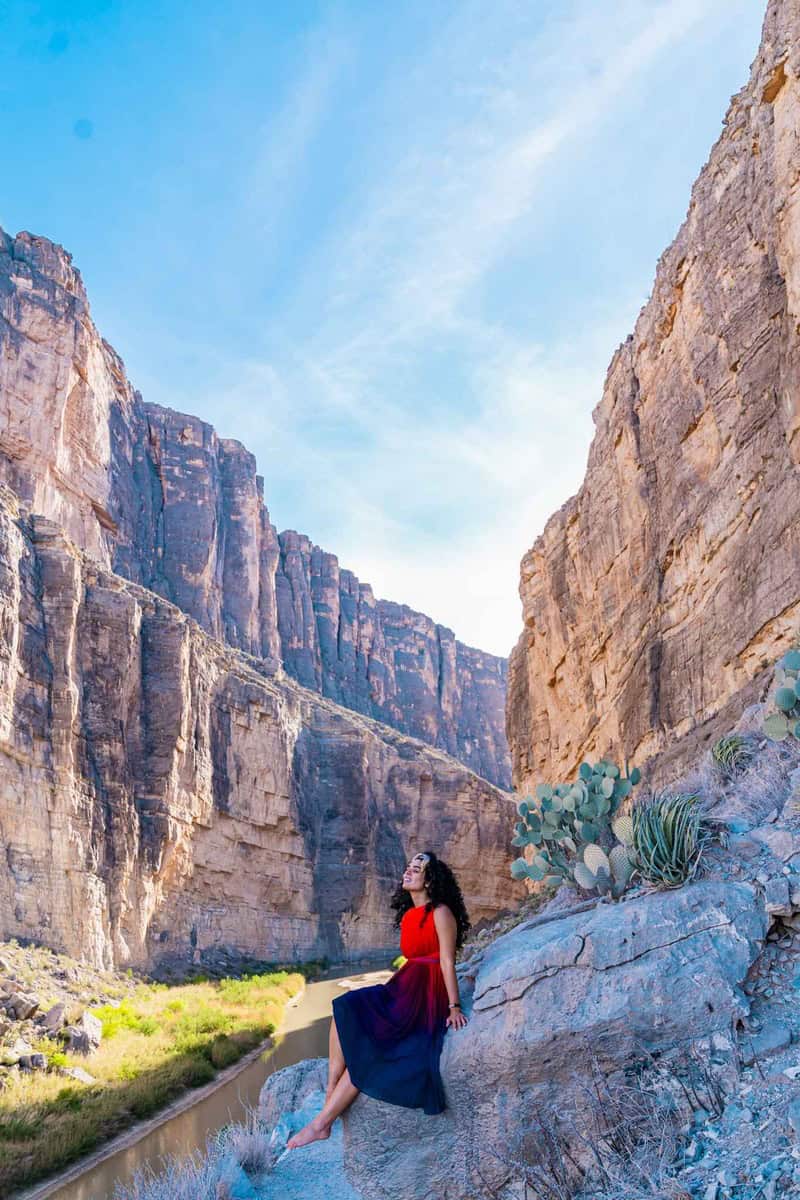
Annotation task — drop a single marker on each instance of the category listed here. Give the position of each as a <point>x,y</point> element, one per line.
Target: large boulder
<point>545,1003</point>
<point>289,1099</point>
<point>286,1090</point>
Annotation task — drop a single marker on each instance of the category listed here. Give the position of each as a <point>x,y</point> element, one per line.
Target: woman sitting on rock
<point>386,1040</point>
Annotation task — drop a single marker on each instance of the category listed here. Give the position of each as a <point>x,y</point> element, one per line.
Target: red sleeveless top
<point>418,936</point>
<point>422,975</point>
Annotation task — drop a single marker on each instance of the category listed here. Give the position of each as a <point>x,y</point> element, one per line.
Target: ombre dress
<point>392,1033</point>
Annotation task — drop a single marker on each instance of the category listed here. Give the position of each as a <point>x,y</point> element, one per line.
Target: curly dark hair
<point>442,888</point>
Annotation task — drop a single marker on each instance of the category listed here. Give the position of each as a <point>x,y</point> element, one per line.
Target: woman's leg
<point>336,1063</point>
<point>343,1095</point>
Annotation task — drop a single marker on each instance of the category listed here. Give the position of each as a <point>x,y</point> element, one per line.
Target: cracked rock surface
<point>651,973</point>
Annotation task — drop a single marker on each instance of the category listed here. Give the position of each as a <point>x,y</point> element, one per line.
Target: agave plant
<point>785,720</point>
<point>734,753</point>
<point>666,836</point>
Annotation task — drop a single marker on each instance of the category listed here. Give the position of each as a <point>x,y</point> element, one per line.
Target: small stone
<point>23,1007</point>
<point>79,1074</point>
<point>53,1019</point>
<point>776,896</point>
<point>774,1036</point>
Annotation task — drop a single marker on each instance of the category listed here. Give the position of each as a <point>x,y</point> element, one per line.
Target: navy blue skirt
<point>392,1041</point>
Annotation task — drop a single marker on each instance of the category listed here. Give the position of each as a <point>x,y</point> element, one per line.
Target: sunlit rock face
<point>165,797</point>
<point>168,791</point>
<point>658,596</point>
<point>158,497</point>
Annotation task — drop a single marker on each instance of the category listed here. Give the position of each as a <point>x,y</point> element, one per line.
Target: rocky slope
<point>672,1013</point>
<point>655,598</point>
<point>158,497</point>
<point>164,796</point>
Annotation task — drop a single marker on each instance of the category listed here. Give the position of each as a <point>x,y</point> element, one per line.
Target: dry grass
<point>206,1174</point>
<point>156,1044</point>
<point>753,792</point>
<point>612,1139</point>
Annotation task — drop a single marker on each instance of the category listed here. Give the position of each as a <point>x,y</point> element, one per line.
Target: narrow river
<point>303,1034</point>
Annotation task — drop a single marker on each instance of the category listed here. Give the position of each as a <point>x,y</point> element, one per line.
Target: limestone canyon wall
<point>389,661</point>
<point>164,796</point>
<point>657,598</point>
<point>158,497</point>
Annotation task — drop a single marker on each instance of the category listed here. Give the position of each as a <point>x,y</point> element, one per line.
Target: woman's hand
<point>456,1020</point>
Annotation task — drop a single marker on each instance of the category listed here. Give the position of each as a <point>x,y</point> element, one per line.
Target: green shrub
<point>669,835</point>
<point>116,1017</point>
<point>224,1052</point>
<point>734,753</point>
<point>69,1099</point>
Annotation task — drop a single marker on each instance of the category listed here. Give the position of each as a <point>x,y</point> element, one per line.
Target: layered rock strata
<point>657,597</point>
<point>389,661</point>
<point>158,497</point>
<point>164,796</point>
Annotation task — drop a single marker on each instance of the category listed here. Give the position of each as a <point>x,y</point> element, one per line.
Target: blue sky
<point>390,247</point>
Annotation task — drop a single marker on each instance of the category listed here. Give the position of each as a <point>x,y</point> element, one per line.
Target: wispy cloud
<point>283,144</point>
<point>435,504</point>
<point>439,220</point>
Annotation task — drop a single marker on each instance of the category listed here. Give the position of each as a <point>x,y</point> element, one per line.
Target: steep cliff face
<point>161,797</point>
<point>389,661</point>
<point>656,599</point>
<point>158,497</point>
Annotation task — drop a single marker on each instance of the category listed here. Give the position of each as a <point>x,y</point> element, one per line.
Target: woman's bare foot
<point>314,1131</point>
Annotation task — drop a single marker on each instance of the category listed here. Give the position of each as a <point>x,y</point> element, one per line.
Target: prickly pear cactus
<point>784,721</point>
<point>565,821</point>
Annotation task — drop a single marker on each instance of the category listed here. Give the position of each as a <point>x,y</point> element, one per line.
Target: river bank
<point>61,1098</point>
<point>184,1126</point>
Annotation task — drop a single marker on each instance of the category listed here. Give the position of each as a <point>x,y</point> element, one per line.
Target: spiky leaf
<point>786,698</point>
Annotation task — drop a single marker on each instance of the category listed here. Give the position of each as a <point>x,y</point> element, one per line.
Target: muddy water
<point>303,1034</point>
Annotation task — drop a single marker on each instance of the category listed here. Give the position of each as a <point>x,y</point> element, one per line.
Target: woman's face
<point>414,876</point>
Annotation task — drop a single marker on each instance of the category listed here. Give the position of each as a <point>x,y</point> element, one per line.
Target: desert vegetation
<point>156,1042</point>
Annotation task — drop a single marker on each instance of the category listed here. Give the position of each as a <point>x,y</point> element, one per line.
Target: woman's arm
<point>447,929</point>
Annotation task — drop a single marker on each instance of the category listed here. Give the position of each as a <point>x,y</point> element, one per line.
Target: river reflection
<point>304,1034</point>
